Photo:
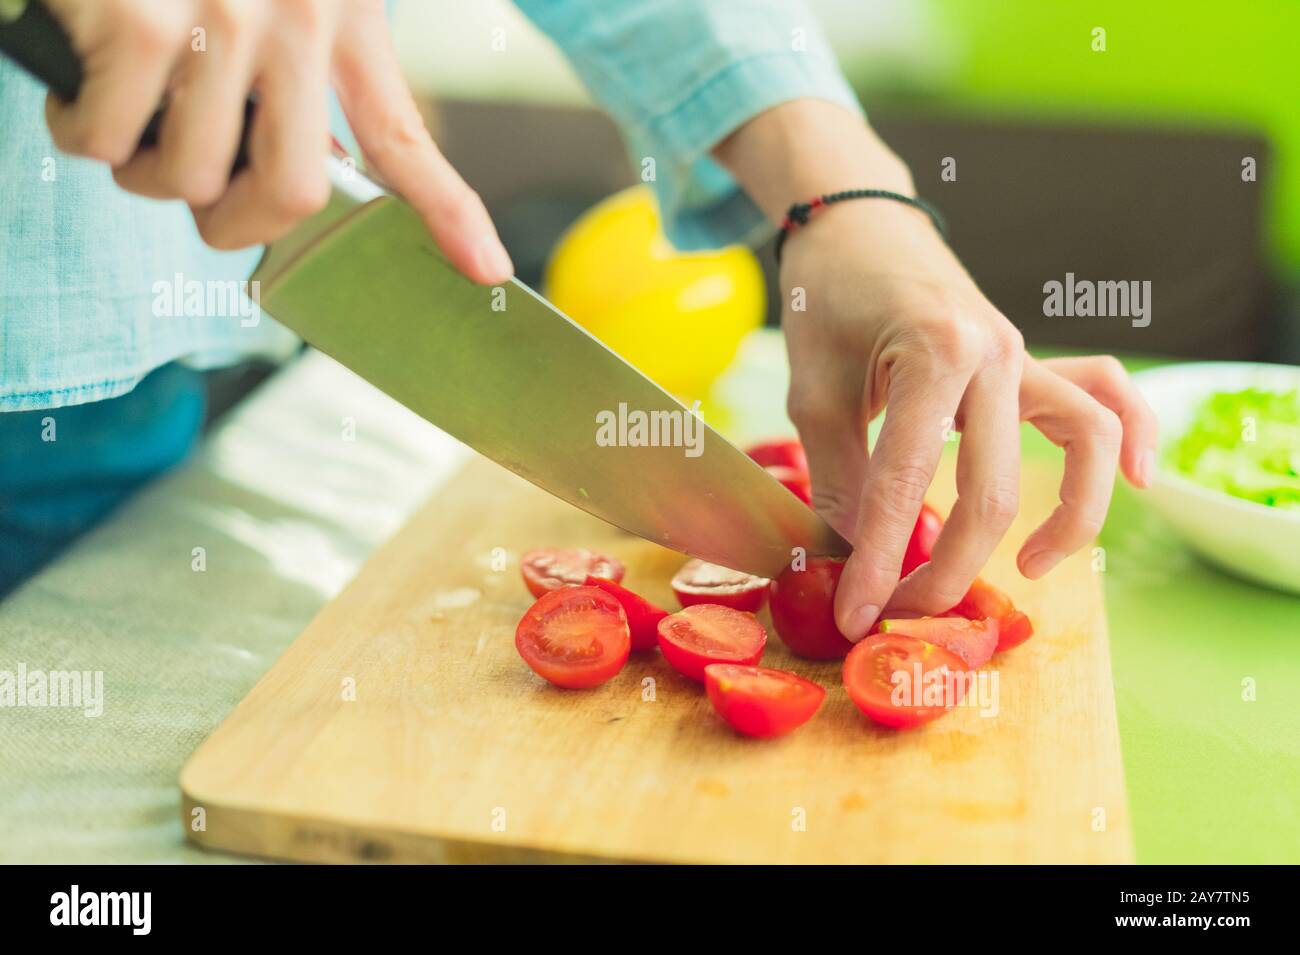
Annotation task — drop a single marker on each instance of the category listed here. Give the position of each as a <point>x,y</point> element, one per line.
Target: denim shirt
<point>95,283</point>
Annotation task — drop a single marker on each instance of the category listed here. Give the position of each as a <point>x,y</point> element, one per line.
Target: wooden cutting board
<point>402,726</point>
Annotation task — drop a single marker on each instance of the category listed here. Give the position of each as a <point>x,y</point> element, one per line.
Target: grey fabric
<point>286,508</point>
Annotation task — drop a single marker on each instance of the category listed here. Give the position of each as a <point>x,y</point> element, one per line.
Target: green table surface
<point>1207,684</point>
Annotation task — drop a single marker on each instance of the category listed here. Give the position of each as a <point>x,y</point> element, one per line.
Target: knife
<point>498,368</point>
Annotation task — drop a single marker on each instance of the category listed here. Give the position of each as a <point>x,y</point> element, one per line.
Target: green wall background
<point>1192,63</point>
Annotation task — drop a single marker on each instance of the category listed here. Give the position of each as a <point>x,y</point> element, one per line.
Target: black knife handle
<point>36,41</point>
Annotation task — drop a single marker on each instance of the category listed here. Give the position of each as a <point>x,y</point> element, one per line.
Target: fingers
<point>988,479</point>
<point>285,180</point>
<point>126,63</point>
<point>825,406</point>
<point>1103,377</point>
<point>922,395</point>
<point>391,133</point>
<point>1090,434</point>
<point>202,125</point>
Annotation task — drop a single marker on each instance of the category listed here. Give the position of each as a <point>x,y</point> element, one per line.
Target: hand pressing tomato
<point>973,640</point>
<point>983,601</point>
<point>708,633</point>
<point>760,702</point>
<point>901,682</point>
<point>921,544</point>
<point>574,637</point>
<point>699,582</point>
<point>548,568</point>
<point>642,616</point>
<point>803,609</point>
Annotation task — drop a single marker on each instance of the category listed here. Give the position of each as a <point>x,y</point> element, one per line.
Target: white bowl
<point>1253,541</point>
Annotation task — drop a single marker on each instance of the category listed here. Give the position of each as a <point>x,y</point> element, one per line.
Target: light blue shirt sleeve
<point>679,76</point>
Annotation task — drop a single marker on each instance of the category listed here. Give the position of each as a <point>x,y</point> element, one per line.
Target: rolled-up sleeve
<point>679,76</point>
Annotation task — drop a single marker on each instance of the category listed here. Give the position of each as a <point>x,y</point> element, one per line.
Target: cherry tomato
<point>550,567</point>
<point>708,633</point>
<point>642,616</point>
<point>921,544</point>
<point>984,601</point>
<point>972,640</point>
<point>760,702</point>
<point>575,637</point>
<point>803,609</point>
<point>797,482</point>
<point>785,452</point>
<point>699,582</point>
<point>899,702</point>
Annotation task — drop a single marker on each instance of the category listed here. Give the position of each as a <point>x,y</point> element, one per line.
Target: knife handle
<point>36,41</point>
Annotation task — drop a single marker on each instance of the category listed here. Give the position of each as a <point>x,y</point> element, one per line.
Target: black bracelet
<point>801,212</point>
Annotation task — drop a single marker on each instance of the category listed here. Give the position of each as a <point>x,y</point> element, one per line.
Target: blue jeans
<point>64,470</point>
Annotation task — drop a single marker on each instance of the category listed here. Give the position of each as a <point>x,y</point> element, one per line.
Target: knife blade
<point>505,372</point>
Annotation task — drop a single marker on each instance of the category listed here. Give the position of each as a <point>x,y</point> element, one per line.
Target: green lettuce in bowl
<point>1245,443</point>
<point>1226,475</point>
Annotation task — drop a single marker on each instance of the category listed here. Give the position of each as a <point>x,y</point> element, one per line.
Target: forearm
<point>808,147</point>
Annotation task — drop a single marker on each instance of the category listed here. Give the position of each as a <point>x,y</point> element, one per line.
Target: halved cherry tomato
<point>797,482</point>
<point>972,640</point>
<point>984,601</point>
<point>927,686</point>
<point>642,616</point>
<point>921,544</point>
<point>1014,630</point>
<point>707,633</point>
<point>760,702</point>
<point>785,452</point>
<point>803,609</point>
<point>550,567</point>
<point>575,637</point>
<point>699,582</point>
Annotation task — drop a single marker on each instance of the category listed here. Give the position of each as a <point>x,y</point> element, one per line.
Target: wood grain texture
<point>452,750</point>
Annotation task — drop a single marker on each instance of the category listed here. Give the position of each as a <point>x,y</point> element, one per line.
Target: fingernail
<point>493,260</point>
<point>1147,468</point>
<point>1035,565</point>
<point>861,622</point>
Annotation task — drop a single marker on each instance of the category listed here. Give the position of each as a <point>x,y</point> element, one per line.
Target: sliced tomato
<point>803,609</point>
<point>797,482</point>
<point>760,702</point>
<point>642,616</point>
<point>928,682</point>
<point>548,568</point>
<point>973,640</point>
<point>921,544</point>
<point>709,633</point>
<point>784,452</point>
<point>575,637</point>
<point>983,601</point>
<point>1013,630</point>
<point>699,582</point>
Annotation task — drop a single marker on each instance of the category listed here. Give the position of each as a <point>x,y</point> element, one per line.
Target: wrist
<point>877,236</point>
<point>805,148</point>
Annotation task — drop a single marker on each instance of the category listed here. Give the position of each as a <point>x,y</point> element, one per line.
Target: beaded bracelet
<point>801,212</point>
